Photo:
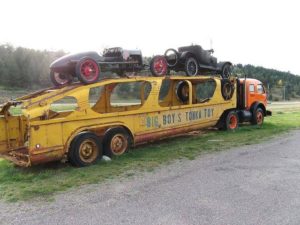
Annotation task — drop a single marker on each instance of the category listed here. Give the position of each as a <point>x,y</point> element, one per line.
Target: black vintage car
<point>194,60</point>
<point>88,66</point>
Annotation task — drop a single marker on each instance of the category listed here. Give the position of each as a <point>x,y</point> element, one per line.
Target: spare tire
<point>227,89</point>
<point>226,71</point>
<point>182,91</point>
<point>172,57</point>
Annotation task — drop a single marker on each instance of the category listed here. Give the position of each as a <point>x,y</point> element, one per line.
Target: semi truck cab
<point>252,101</point>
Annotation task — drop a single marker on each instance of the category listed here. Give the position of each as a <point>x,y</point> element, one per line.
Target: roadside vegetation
<point>45,180</point>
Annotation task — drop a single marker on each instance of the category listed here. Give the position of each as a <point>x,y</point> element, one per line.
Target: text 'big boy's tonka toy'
<point>194,60</point>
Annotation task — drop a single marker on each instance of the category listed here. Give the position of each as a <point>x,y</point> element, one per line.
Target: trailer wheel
<point>87,70</point>
<point>159,66</point>
<point>231,121</point>
<point>191,67</point>
<point>227,89</point>
<point>258,117</point>
<point>116,142</point>
<point>85,149</point>
<point>59,79</point>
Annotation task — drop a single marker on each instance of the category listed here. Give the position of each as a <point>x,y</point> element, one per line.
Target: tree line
<point>27,68</point>
<point>276,81</point>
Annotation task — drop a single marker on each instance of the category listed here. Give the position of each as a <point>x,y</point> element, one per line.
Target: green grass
<point>43,181</point>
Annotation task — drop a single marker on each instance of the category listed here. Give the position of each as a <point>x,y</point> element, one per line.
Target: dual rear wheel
<point>86,148</point>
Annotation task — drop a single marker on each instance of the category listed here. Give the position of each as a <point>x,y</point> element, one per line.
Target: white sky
<point>263,33</point>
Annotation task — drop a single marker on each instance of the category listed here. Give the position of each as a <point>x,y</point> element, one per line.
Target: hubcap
<point>227,89</point>
<point>192,68</point>
<point>232,122</point>
<point>160,66</point>
<point>118,144</point>
<point>259,118</point>
<point>90,70</point>
<point>88,151</point>
<point>61,78</point>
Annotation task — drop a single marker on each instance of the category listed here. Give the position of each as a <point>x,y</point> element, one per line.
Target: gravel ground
<point>255,184</point>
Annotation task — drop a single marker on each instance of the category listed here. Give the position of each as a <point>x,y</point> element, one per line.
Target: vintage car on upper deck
<point>194,60</point>
<point>88,66</point>
<point>80,123</point>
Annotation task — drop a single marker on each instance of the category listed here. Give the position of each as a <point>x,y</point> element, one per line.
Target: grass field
<point>43,181</point>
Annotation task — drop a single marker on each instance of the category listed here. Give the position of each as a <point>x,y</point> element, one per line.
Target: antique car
<point>88,66</point>
<point>194,60</point>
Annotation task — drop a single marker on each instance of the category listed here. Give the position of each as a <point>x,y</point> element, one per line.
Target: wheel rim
<point>89,70</point>
<point>88,151</point>
<point>192,68</point>
<point>227,91</point>
<point>160,66</point>
<point>233,122</point>
<point>259,118</point>
<point>61,79</point>
<point>118,144</point>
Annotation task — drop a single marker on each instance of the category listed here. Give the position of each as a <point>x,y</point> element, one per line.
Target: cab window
<point>260,89</point>
<point>251,88</point>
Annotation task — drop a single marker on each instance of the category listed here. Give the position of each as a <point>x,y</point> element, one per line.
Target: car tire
<point>59,79</point>
<point>231,121</point>
<point>116,142</point>
<point>226,71</point>
<point>258,117</point>
<point>191,67</point>
<point>181,93</point>
<point>227,89</point>
<point>85,149</point>
<point>158,66</point>
<point>87,70</point>
<point>172,64</point>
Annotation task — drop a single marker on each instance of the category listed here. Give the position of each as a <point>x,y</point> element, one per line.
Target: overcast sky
<point>264,33</point>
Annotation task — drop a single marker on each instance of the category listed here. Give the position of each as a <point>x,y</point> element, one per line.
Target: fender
<point>184,55</point>
<point>255,105</point>
<point>123,126</point>
<point>221,64</point>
